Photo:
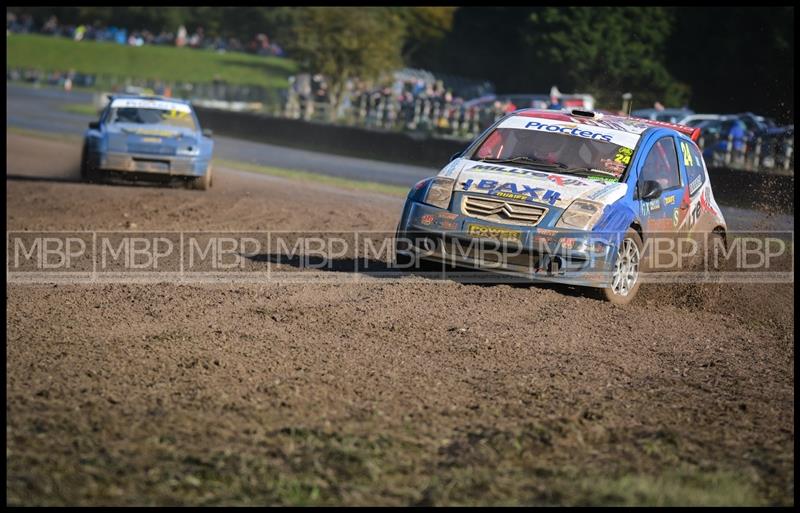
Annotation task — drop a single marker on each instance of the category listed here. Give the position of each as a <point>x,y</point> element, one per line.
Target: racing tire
<point>87,173</point>
<point>202,183</point>
<point>626,274</point>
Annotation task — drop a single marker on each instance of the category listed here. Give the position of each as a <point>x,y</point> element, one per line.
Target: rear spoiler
<point>693,133</point>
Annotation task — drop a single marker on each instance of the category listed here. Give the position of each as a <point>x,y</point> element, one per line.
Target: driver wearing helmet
<point>549,147</point>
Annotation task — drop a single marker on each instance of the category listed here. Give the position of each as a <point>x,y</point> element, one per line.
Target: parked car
<point>667,115</point>
<point>570,197</point>
<point>694,120</point>
<point>146,137</point>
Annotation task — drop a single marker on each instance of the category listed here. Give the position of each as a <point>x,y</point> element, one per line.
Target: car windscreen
<point>561,153</point>
<point>148,116</point>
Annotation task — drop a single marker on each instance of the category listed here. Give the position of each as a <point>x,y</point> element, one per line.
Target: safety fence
<point>422,116</point>
<point>773,152</point>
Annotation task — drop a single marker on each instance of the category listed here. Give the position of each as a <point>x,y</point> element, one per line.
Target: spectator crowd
<point>259,44</point>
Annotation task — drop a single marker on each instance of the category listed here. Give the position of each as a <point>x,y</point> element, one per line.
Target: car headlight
<point>189,150</point>
<point>439,192</point>
<point>581,214</point>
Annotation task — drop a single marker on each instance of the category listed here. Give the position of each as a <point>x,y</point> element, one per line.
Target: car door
<point>662,216</point>
<point>696,213</point>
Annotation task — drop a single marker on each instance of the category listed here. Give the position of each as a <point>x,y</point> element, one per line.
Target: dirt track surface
<point>425,392</point>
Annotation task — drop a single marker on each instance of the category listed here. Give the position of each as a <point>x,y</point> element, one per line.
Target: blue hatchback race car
<point>148,137</point>
<point>572,197</point>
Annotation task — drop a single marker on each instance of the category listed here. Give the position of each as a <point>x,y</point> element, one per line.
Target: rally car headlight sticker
<point>439,192</point>
<point>581,214</point>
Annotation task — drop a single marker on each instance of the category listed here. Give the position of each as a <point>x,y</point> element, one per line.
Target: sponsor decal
<point>613,166</point>
<point>450,169</point>
<point>152,132</point>
<point>155,140</point>
<point>140,103</point>
<point>675,218</point>
<point>594,131</point>
<point>446,220</point>
<point>569,129</point>
<point>511,190</point>
<point>650,206</point>
<point>660,224</point>
<point>705,204</point>
<point>567,242</point>
<point>623,155</point>
<point>604,179</point>
<point>696,183</point>
<point>545,231</point>
<point>558,179</point>
<point>669,200</point>
<point>490,232</point>
<point>609,194</point>
<point>623,125</point>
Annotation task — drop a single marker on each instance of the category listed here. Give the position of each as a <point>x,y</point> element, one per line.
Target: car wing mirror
<point>650,190</point>
<point>208,132</point>
<point>94,125</point>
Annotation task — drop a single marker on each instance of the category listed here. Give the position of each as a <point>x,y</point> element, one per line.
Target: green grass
<point>672,488</point>
<point>146,62</point>
<point>307,176</point>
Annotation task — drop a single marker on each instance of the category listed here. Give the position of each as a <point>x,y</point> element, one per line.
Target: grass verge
<point>146,62</point>
<point>85,109</point>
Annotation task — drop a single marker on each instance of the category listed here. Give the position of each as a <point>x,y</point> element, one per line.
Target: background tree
<point>345,43</point>
<point>607,51</point>
<point>424,25</point>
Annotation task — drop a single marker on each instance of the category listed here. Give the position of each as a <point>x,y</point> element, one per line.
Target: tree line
<point>713,59</point>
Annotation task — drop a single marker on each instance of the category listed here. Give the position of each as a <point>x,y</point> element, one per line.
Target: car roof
<point>628,124</point>
<point>127,96</point>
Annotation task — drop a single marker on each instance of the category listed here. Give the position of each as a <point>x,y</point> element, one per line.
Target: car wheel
<point>202,183</point>
<point>87,175</point>
<point>625,276</point>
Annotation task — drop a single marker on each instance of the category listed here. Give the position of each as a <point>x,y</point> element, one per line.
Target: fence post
<point>437,112</point>
<point>476,126</point>
<point>455,122</point>
<point>757,155</point>
<point>391,113</point>
<point>426,111</point>
<point>729,150</point>
<point>788,154</point>
<point>417,113</point>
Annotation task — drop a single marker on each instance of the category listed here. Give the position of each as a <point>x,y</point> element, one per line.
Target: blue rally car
<point>148,137</point>
<point>573,197</point>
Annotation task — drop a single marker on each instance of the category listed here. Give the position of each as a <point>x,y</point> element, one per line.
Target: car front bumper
<point>536,254</point>
<point>172,165</point>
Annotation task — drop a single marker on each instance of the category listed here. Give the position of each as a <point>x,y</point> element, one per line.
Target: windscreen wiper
<point>588,171</point>
<point>525,160</point>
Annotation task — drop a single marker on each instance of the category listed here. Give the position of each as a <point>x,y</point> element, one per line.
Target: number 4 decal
<point>687,155</point>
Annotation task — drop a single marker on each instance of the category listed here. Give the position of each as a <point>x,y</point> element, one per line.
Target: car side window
<point>661,164</point>
<point>695,169</point>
